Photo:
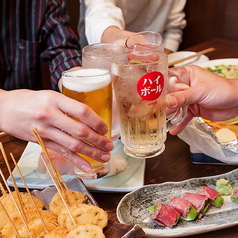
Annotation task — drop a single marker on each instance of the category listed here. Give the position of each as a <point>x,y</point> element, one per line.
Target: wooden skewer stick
<point>28,191</point>
<point>38,137</point>
<point>16,205</point>
<point>192,56</point>
<point>57,177</point>
<point>60,192</point>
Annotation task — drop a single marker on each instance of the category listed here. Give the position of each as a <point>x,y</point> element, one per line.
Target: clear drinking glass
<point>141,82</point>
<point>145,40</point>
<point>99,56</point>
<point>92,87</point>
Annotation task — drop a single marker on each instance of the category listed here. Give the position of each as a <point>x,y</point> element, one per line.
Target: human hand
<point>209,96</point>
<point>23,110</point>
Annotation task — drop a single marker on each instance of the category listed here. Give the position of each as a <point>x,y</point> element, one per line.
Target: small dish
<point>183,54</point>
<point>125,181</point>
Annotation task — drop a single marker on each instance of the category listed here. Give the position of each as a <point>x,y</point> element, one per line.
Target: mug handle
<point>177,81</point>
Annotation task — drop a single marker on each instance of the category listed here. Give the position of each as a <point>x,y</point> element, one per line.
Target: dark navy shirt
<point>31,30</point>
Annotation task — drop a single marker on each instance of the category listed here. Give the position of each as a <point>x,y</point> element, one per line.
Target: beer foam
<point>86,80</point>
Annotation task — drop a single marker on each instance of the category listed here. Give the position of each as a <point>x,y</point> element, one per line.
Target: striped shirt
<point>31,30</point>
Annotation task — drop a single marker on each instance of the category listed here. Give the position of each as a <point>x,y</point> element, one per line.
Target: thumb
<point>181,98</point>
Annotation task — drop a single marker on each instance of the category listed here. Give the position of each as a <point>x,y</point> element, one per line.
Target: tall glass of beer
<point>141,82</point>
<point>99,56</point>
<point>93,88</point>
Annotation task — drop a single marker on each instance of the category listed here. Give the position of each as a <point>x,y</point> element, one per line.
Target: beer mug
<point>99,56</point>
<point>92,87</point>
<point>141,87</point>
<point>145,40</point>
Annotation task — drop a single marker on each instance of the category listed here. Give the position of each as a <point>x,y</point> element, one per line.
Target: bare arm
<point>23,110</point>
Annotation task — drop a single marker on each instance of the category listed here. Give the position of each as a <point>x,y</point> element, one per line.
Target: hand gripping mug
<point>141,87</point>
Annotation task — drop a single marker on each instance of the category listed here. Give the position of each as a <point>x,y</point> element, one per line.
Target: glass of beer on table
<point>145,40</point>
<point>92,87</point>
<point>141,82</point>
<point>99,55</point>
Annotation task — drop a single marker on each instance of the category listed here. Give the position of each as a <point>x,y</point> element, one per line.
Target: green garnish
<point>206,207</point>
<point>191,215</point>
<point>218,201</point>
<point>152,208</point>
<point>223,187</point>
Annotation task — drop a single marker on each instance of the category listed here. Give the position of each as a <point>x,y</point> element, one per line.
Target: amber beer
<point>93,88</point>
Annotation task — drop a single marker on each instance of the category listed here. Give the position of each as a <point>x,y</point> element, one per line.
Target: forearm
<point>113,33</point>
<point>100,15</point>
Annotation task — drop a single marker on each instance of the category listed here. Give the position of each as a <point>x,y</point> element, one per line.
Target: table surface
<point>174,164</point>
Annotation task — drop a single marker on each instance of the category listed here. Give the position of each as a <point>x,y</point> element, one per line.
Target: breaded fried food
<point>86,231</point>
<point>11,209</point>
<point>83,214</point>
<point>34,223</point>
<point>72,198</point>
<point>58,232</point>
<point>6,200</point>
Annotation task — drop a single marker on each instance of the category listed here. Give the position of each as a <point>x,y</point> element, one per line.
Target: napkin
<point>203,141</point>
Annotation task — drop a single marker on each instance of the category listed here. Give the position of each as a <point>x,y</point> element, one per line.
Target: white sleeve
<point>175,25</point>
<point>99,15</point>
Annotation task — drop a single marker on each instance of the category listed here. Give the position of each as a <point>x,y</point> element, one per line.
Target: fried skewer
<point>9,218</point>
<point>55,175</point>
<point>28,191</point>
<point>17,207</point>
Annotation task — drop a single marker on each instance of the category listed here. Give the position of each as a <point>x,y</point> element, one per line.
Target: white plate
<point>126,181</point>
<point>133,208</point>
<point>182,54</point>
<point>213,63</point>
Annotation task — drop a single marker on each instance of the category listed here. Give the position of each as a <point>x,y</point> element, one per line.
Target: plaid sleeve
<point>62,50</point>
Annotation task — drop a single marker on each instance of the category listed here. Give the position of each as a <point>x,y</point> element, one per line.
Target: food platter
<point>125,181</point>
<point>133,207</point>
<point>213,63</point>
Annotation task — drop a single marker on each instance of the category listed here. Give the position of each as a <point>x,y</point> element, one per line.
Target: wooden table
<point>174,164</point>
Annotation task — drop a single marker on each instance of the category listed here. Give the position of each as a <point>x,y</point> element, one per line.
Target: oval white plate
<point>182,54</point>
<point>133,208</point>
<point>213,63</point>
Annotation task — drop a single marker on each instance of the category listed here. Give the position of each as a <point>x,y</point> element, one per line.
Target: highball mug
<point>145,40</point>
<point>93,88</point>
<point>141,87</point>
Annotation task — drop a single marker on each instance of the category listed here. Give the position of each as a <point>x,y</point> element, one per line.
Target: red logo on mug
<point>150,86</point>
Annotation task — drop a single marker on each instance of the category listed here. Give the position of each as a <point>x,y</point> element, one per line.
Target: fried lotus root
<point>86,231</point>
<point>83,214</point>
<point>72,198</point>
<point>58,232</point>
